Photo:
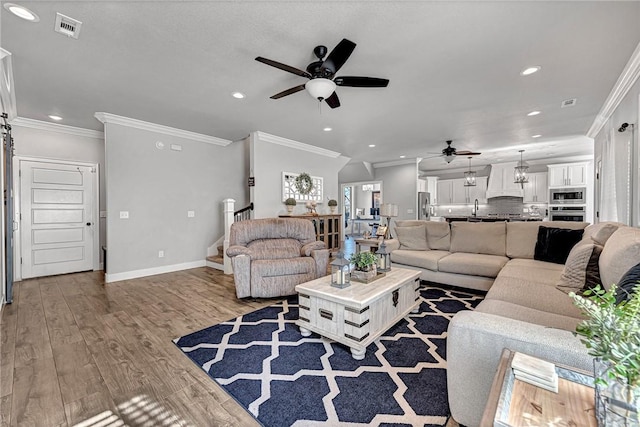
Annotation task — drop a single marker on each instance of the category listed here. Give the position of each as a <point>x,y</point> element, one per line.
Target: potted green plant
<point>290,203</point>
<point>611,333</point>
<point>364,266</point>
<point>333,204</point>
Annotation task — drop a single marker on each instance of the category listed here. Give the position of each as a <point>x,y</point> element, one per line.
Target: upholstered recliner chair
<point>271,256</point>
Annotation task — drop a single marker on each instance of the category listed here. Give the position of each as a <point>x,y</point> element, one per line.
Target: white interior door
<point>56,208</point>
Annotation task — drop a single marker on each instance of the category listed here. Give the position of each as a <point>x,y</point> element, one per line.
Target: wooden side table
<point>372,243</point>
<point>513,403</point>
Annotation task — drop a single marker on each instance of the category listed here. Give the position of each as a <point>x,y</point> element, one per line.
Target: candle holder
<point>340,272</point>
<point>384,257</point>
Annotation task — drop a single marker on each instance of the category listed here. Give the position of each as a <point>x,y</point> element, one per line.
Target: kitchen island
<point>492,218</point>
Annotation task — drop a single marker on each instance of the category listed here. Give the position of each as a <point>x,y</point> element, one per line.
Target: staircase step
<point>216,258</point>
<point>221,251</point>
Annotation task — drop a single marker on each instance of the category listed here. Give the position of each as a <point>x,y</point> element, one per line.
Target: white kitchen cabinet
<point>429,184</point>
<point>537,189</point>
<point>568,175</point>
<point>445,192</point>
<point>453,191</point>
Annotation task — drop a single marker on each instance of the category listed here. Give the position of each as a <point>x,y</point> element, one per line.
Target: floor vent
<point>68,26</point>
<point>569,103</point>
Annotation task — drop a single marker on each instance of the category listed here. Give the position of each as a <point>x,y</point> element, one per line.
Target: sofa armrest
<point>236,250</point>
<point>392,244</point>
<point>321,257</point>
<point>474,344</point>
<point>242,274</point>
<point>309,247</point>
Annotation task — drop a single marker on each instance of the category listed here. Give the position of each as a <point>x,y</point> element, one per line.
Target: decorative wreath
<point>303,183</point>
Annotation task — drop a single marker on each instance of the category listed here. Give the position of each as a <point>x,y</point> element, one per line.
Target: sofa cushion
<point>274,248</point>
<point>479,237</point>
<point>472,264</point>
<point>581,271</point>
<point>527,314</point>
<point>523,235</point>
<point>601,231</point>
<point>534,291</point>
<point>412,238</point>
<point>438,235</point>
<point>628,284</point>
<point>554,244</point>
<point>620,253</point>
<point>422,259</point>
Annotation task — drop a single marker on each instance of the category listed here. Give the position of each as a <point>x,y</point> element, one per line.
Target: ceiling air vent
<point>569,103</point>
<point>68,26</point>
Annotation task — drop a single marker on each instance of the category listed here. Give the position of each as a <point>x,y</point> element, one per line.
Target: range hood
<point>501,181</point>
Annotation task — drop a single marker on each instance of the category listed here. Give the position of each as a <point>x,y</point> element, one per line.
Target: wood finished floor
<point>77,351</point>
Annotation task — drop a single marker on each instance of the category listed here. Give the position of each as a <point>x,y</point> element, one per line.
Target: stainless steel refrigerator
<point>425,210</point>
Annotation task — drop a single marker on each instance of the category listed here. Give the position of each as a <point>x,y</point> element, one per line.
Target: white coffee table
<point>357,315</point>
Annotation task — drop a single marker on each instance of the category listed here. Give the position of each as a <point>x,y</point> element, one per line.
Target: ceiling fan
<point>321,74</point>
<point>449,153</point>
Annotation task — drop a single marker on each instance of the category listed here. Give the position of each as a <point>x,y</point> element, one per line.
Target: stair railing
<point>231,216</point>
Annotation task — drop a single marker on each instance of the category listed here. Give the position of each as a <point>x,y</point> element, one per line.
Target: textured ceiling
<point>454,70</point>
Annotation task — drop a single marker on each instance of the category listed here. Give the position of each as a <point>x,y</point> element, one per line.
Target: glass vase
<point>617,403</point>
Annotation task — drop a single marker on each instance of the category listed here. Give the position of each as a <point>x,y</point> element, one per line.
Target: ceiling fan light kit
<point>320,88</point>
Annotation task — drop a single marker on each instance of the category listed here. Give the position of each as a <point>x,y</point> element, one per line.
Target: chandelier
<point>470,177</point>
<point>520,172</point>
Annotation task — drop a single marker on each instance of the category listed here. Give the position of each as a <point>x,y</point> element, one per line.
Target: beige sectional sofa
<point>523,310</point>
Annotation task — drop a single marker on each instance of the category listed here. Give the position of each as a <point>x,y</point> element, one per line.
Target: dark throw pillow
<point>628,284</point>
<point>554,244</point>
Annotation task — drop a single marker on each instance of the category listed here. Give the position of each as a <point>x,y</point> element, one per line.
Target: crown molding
<point>626,80</point>
<point>166,130</point>
<point>56,127</point>
<point>295,144</point>
<point>395,163</point>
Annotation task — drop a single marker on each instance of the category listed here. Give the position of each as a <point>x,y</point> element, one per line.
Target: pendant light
<point>520,172</point>
<point>470,177</point>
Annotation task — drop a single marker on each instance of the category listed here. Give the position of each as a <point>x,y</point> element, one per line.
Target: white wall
<point>269,159</point>
<point>356,172</point>
<point>400,186</point>
<point>627,187</point>
<point>63,144</point>
<point>157,188</point>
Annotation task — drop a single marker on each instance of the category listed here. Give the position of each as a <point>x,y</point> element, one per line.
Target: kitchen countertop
<point>490,218</point>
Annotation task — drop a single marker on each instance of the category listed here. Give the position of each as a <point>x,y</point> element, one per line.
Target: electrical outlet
<point>191,214</point>
<point>160,254</point>
<point>409,211</point>
<point>124,214</point>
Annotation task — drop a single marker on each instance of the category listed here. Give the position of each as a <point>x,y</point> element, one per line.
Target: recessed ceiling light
<point>238,95</point>
<point>533,113</point>
<point>530,70</point>
<point>536,136</point>
<point>327,129</point>
<point>372,145</point>
<point>402,157</point>
<point>21,12</point>
<point>56,118</point>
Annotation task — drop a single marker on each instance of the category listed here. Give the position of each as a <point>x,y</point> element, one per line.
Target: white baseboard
<point>215,265</point>
<point>116,277</point>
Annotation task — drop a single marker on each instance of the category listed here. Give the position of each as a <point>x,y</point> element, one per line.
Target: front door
<point>56,218</point>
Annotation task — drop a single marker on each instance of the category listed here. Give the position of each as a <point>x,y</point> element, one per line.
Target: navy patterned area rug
<point>284,379</point>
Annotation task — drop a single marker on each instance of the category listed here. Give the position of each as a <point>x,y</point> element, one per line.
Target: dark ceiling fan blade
<point>354,81</point>
<point>284,67</point>
<point>288,92</point>
<point>466,153</point>
<point>333,101</point>
<point>339,56</point>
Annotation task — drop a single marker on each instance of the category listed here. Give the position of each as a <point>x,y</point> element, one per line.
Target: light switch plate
<point>409,211</point>
<point>124,214</point>
<point>191,214</point>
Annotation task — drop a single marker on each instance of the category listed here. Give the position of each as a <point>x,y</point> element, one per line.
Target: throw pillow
<point>412,238</point>
<point>628,284</point>
<point>554,244</point>
<point>602,235</point>
<point>581,271</point>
